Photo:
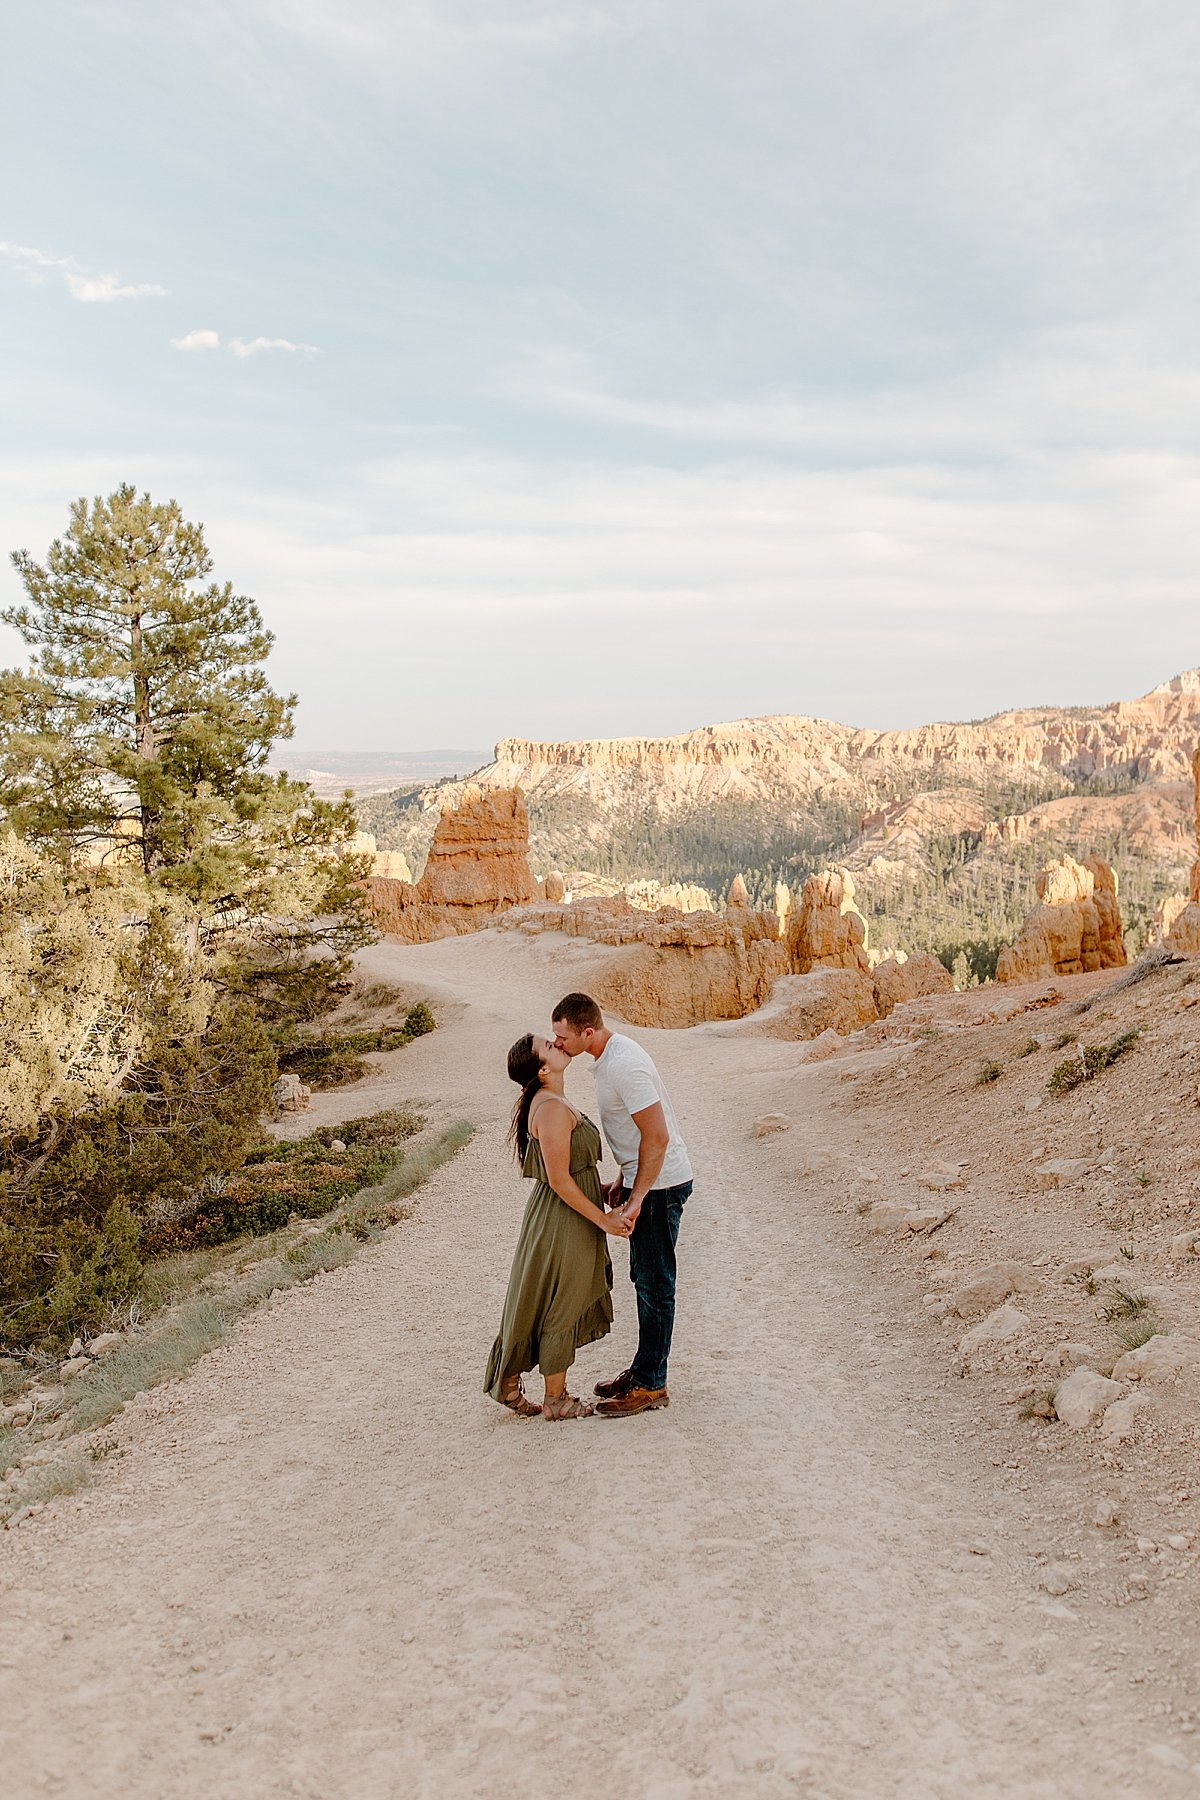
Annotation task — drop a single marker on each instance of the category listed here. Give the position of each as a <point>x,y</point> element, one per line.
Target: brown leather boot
<point>620,1384</point>
<point>633,1400</point>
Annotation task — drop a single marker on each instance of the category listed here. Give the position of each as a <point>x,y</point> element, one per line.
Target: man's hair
<point>579,1011</point>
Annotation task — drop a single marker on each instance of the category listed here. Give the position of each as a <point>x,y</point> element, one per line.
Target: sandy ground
<point>327,1565</point>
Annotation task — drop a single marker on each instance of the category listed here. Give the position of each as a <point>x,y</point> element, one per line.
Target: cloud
<point>103,288</point>
<point>84,287</point>
<point>197,340</point>
<point>241,347</point>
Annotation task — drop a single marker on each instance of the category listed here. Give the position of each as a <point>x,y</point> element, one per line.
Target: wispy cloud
<point>197,340</point>
<point>254,346</point>
<point>84,286</point>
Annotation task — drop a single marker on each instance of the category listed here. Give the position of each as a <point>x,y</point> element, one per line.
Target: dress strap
<point>562,1097</point>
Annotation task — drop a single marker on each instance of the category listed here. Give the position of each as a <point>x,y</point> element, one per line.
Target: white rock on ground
<point>1118,1421</point>
<point>1061,1170</point>
<point>1006,1322</point>
<point>1069,1356</point>
<point>1083,1396</point>
<point>768,1123</point>
<point>991,1284</point>
<point>1159,1359</point>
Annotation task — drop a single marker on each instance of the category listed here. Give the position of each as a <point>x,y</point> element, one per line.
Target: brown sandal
<point>517,1401</point>
<point>566,1406</point>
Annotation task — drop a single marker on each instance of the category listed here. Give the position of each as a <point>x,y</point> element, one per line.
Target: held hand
<point>613,1191</point>
<point>630,1213</point>
<point>617,1225</point>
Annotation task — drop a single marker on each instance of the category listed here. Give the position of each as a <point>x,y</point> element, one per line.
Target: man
<point>653,1185</point>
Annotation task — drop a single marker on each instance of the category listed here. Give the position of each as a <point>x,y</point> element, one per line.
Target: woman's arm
<point>554,1127</point>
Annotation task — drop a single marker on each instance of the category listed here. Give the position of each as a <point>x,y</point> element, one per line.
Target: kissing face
<point>570,1041</point>
<point>552,1055</point>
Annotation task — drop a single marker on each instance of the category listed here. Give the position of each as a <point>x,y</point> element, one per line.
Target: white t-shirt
<point>627,1082</point>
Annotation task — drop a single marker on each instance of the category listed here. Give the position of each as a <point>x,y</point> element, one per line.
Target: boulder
<point>1006,1322</point>
<point>991,1284</point>
<point>1061,1171</point>
<point>1076,926</point>
<point>1083,1396</point>
<point>1117,1424</point>
<point>900,978</point>
<point>554,888</point>
<point>290,1094</point>
<point>805,1006</point>
<point>1161,1358</point>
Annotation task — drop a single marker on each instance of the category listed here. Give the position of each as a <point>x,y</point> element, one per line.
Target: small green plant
<point>1064,1038</point>
<point>1039,1405</point>
<point>1029,1048</point>
<point>1092,1058</point>
<point>1127,1252</point>
<point>1143,1180</point>
<point>927,1034</point>
<point>989,1071</point>
<point>1125,1305</point>
<point>1131,1334</point>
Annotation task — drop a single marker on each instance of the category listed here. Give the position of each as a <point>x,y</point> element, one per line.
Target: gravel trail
<point>327,1565</point>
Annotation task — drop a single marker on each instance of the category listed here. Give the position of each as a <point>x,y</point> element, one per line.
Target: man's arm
<point>651,1122</point>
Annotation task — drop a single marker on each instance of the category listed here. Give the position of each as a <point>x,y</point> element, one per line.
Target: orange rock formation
<point>1075,928</point>
<point>477,867</point>
<point>1185,931</point>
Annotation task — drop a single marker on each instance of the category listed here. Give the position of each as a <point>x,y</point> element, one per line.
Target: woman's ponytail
<point>525,1068</point>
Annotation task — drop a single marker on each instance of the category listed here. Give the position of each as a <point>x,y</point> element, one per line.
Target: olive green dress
<point>560,1289</point>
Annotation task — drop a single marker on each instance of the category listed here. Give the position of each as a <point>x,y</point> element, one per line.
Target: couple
<point>560,1288</point>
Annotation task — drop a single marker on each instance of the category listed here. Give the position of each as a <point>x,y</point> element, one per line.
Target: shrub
<point>279,1180</point>
<point>337,1061</point>
<point>1091,1060</point>
<point>989,1071</point>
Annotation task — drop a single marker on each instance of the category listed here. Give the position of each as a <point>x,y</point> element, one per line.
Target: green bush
<point>279,1180</point>
<point>1091,1060</point>
<point>331,1062</point>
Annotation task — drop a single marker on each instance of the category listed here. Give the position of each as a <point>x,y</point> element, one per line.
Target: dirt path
<point>328,1566</point>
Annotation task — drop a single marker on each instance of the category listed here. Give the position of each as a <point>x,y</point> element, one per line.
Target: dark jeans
<point>652,1271</point>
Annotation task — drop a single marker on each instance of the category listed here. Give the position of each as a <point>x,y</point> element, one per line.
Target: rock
<point>898,980</point>
<point>805,1006</point>
<point>942,1177</point>
<point>886,1216</point>
<point>337,1145</point>
<point>107,1340</point>
<point>392,865</point>
<point>1061,1170</point>
<point>478,866</point>
<point>1105,1513</point>
<point>738,894</point>
<point>1006,1322</point>
<point>827,930</point>
<point>1186,1244</point>
<point>1033,1102</point>
<point>1117,1424</point>
<point>1057,1580</point>
<point>1179,1540</point>
<point>926,1217</point>
<point>1069,1356</point>
<point>1083,1396</point>
<point>1167,1757</point>
<point>1075,927</point>
<point>991,1284</point>
<point>74,1365</point>
<point>827,1043</point>
<point>1159,1359</point>
<point>76,1347</point>
<point>290,1094</point>
<point>554,888</point>
<point>768,1123</point>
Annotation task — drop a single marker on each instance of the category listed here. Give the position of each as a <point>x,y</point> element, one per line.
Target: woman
<point>560,1288</point>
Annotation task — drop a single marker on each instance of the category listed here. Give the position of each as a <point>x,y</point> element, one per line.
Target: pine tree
<point>139,738</point>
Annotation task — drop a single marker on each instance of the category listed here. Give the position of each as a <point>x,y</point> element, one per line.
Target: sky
<point>576,368</point>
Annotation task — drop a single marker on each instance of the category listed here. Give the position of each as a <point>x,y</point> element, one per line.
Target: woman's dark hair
<point>525,1068</point>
